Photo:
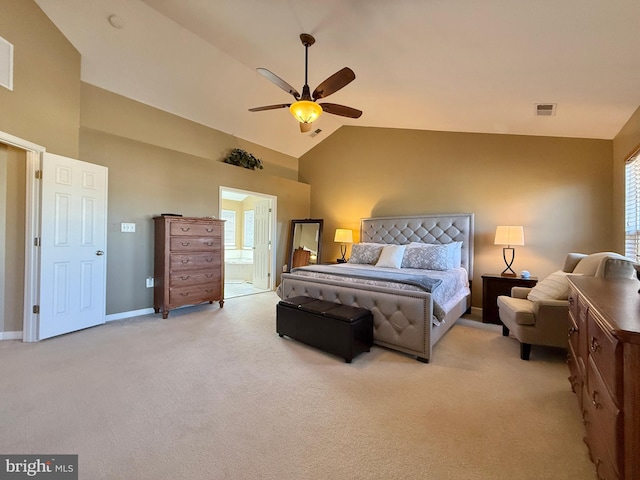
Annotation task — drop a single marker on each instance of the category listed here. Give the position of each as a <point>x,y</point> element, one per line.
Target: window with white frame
<point>632,207</point>
<point>229,228</point>
<point>247,237</point>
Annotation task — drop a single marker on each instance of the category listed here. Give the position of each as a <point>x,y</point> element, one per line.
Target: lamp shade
<point>305,111</point>
<point>509,235</point>
<point>343,235</point>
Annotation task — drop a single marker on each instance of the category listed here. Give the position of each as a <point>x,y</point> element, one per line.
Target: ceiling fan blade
<point>305,127</point>
<point>341,110</point>
<point>270,107</point>
<point>272,77</point>
<point>334,83</point>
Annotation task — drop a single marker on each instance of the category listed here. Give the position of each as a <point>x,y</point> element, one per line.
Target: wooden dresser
<point>604,365</point>
<point>189,262</point>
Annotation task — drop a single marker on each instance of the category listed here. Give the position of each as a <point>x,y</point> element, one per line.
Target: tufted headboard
<point>423,228</point>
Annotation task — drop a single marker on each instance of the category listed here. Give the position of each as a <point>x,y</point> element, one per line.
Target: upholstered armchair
<point>538,315</point>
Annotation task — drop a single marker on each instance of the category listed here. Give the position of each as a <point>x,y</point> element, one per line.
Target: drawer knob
<point>185,261</point>
<point>209,260</point>
<point>185,229</point>
<point>208,244</point>
<point>209,275</point>
<point>185,294</point>
<point>186,277</point>
<point>595,346</point>
<point>185,244</point>
<point>209,230</point>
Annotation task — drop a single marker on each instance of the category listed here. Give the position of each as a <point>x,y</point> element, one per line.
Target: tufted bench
<point>342,330</point>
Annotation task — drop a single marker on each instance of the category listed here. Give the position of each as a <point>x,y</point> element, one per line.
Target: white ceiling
<point>449,65</point>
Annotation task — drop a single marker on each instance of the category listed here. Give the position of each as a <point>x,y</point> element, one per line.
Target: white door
<point>73,245</point>
<point>261,238</point>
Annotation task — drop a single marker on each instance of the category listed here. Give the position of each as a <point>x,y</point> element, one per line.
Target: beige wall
<point>173,168</point>
<point>44,106</point>
<point>560,189</point>
<point>626,142</point>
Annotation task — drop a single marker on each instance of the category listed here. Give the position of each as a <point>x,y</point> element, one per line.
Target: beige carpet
<point>214,393</point>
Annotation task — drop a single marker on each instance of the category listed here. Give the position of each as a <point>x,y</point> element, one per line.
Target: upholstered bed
<point>408,316</point>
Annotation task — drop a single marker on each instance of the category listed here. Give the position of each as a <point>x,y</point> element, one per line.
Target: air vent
<point>315,132</point>
<point>545,109</point>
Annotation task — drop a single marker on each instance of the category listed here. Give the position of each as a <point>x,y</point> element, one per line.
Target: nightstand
<point>494,285</point>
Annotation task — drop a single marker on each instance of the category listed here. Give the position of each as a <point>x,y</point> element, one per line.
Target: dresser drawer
<point>606,352</point>
<point>195,229</point>
<point>576,375</point>
<point>178,279</point>
<point>603,422</point>
<point>194,294</point>
<point>186,261</point>
<point>573,302</point>
<point>186,244</point>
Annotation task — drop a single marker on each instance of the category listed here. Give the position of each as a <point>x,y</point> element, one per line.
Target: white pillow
<point>554,287</point>
<point>391,256</point>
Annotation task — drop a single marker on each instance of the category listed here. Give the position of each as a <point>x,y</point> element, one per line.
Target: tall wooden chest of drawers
<point>189,262</point>
<point>604,365</point>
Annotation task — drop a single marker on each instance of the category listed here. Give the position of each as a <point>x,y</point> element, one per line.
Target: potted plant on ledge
<point>242,158</point>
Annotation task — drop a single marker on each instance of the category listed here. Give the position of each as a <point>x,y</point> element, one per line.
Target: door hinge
<point>270,210</point>
<point>39,174</point>
<point>36,242</point>
<point>36,309</point>
<point>268,275</point>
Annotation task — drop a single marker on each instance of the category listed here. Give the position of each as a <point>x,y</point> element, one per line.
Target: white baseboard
<point>10,335</point>
<point>132,313</point>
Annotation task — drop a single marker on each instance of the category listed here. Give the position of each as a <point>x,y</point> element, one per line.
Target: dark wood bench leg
<point>423,360</point>
<point>525,351</point>
<point>505,330</point>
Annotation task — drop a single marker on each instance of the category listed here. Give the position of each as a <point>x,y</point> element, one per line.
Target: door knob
<point>99,252</point>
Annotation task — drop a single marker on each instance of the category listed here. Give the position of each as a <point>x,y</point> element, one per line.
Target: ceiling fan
<point>305,109</point>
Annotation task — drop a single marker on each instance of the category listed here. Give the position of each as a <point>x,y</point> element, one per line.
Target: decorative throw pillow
<point>428,256</point>
<point>391,256</point>
<point>365,253</point>
<point>554,287</point>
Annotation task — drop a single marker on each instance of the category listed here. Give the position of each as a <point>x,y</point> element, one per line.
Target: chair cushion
<point>554,287</point>
<point>516,310</point>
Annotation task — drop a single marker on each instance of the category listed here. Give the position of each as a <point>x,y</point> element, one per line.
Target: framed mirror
<point>305,242</point>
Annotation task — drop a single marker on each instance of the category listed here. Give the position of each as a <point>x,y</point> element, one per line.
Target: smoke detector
<point>545,109</point>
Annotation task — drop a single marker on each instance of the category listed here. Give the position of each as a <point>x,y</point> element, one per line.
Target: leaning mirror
<point>305,242</point>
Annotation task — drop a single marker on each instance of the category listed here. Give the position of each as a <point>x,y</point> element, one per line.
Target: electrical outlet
<point>128,227</point>
<point>284,268</point>
<point>149,282</point>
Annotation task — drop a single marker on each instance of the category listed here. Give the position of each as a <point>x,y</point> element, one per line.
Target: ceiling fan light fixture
<point>305,111</point>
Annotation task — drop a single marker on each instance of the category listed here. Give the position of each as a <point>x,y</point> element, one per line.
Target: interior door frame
<point>272,225</point>
<point>32,232</point>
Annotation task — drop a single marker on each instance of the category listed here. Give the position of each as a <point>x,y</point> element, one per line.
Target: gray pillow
<point>428,256</point>
<point>365,253</point>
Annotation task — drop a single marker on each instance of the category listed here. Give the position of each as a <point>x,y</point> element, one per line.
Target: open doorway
<point>249,230</point>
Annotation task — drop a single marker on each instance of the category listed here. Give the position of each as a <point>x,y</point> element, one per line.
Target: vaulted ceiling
<point>448,65</point>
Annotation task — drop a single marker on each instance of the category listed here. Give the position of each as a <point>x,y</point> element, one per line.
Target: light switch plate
<point>128,227</point>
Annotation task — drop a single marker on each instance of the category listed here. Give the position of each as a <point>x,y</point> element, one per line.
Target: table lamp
<point>509,235</point>
<point>343,236</point>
